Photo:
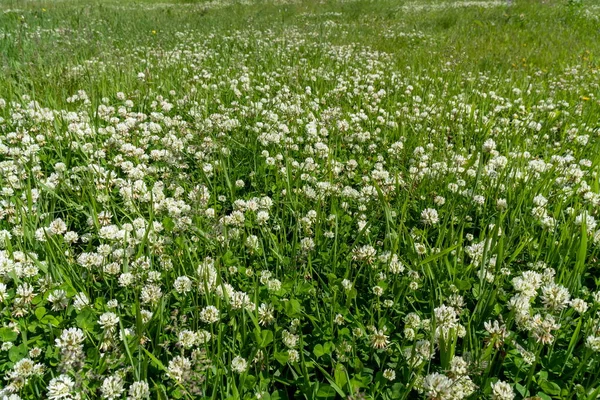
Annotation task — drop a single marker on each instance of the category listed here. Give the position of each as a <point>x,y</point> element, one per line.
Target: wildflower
<point>265,314</point>
<point>445,320</point>
<point>35,352</point>
<point>151,294</point>
<point>293,355</point>
<point>70,344</point>
<point>489,145</point>
<point>182,284</point>
<point>179,368</point>
<point>542,328</point>
<point>429,216</point>
<point>378,291</point>
<point>458,366</point>
<point>420,248</point>
<point>60,387</point>
<point>289,339</point>
<point>58,298</point>
<point>108,321</point>
<point>555,297</point>
<point>593,342</point>
<point>437,386</point>
<point>395,267</point>
<point>209,314</point>
<point>365,253</point>
<point>379,340</point>
<point>501,204</point>
<point>239,365</point>
<point>112,387</point>
<point>579,305</point>
<point>139,390</point>
<point>58,227</point>
<point>347,285</point>
<point>497,332</point>
<point>502,391</point>
<point>307,245</point>
<point>274,285</point>
<point>389,374</point>
<point>80,301</point>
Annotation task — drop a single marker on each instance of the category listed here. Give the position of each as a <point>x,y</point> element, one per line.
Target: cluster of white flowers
<point>285,201</point>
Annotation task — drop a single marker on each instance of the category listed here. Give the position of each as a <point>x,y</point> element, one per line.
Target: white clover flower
<point>593,343</point>
<point>429,216</point>
<point>112,387</point>
<point>265,314</point>
<point>182,284</point>
<point>57,227</point>
<point>179,368</point>
<point>293,356</point>
<point>555,297</point>
<point>108,321</point>
<point>489,145</point>
<point>347,284</point>
<point>60,387</point>
<point>502,391</point>
<point>389,374</point>
<point>579,305</point>
<point>378,291</point>
<point>209,314</point>
<point>437,386</point>
<point>139,390</point>
<point>274,285</point>
<point>239,365</point>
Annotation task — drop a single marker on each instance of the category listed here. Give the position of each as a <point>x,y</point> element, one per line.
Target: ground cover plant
<point>299,199</point>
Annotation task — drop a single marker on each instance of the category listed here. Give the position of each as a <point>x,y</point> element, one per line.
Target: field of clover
<point>299,199</point>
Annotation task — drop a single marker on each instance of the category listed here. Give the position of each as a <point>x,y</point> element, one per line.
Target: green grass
<point>303,199</point>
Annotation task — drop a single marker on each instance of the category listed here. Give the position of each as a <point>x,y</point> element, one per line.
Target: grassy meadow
<point>299,199</point>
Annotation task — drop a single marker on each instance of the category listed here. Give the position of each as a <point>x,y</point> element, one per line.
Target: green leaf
<point>8,335</point>
<point>522,390</point>
<point>168,224</point>
<point>51,320</point>
<point>543,396</point>
<point>17,352</point>
<point>250,381</point>
<point>40,312</point>
<point>550,388</point>
<point>462,285</point>
<point>340,376</point>
<point>85,319</point>
<point>318,351</point>
<point>328,347</point>
<point>282,357</point>
<point>293,308</point>
<point>276,395</point>
<point>331,381</point>
<point>325,392</point>
<point>397,390</point>
<point>351,294</point>
<point>266,337</point>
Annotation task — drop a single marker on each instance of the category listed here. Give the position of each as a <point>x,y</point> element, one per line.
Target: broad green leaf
<point>8,335</point>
